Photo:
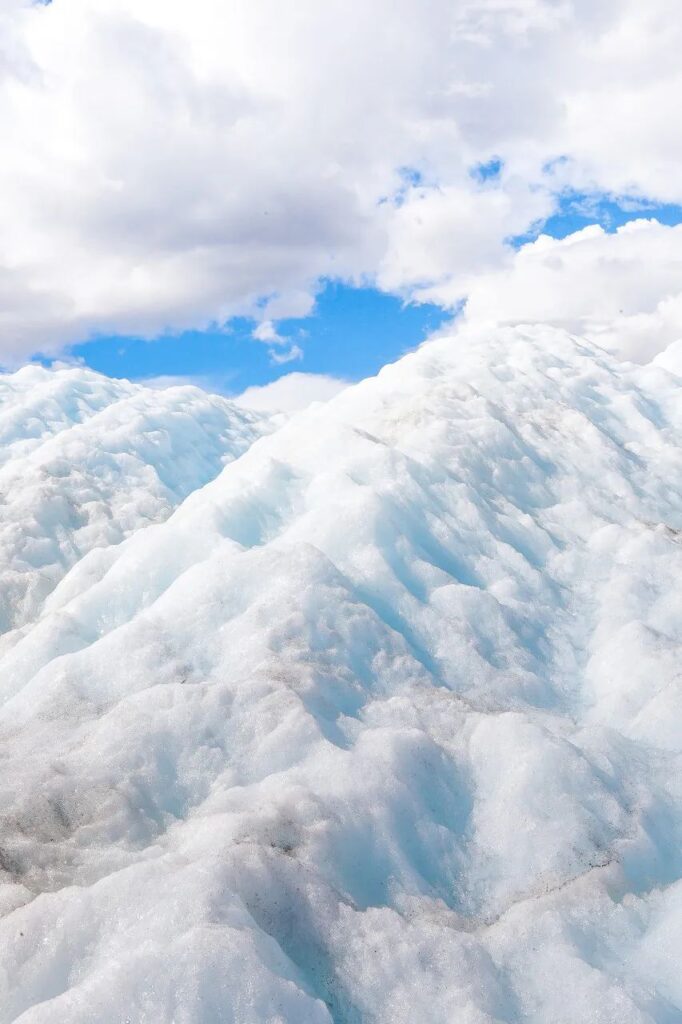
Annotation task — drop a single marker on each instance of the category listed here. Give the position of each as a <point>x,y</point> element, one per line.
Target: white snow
<point>383,724</point>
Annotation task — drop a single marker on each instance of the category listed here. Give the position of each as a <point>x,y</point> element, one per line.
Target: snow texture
<point>86,461</point>
<point>382,724</point>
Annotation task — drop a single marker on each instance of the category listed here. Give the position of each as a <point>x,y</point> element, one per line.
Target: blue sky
<point>575,212</point>
<point>351,333</point>
<point>195,162</point>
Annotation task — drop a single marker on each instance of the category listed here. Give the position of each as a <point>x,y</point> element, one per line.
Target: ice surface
<point>383,724</point>
<point>86,461</point>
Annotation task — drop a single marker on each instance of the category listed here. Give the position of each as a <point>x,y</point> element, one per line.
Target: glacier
<point>369,715</point>
<point>86,461</point>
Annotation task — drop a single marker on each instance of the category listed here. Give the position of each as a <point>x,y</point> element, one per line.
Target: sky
<point>238,191</point>
<point>350,333</point>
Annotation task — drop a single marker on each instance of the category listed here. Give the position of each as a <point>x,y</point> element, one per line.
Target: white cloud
<point>291,393</point>
<point>169,165</point>
<point>292,303</point>
<point>287,352</point>
<point>267,332</point>
<point>624,290</point>
<point>671,358</point>
<point>439,239</point>
<point>289,355</point>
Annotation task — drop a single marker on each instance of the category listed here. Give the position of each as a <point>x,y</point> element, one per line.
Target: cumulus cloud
<point>286,350</point>
<point>170,165</point>
<point>292,392</point>
<point>267,332</point>
<point>440,239</point>
<point>671,358</point>
<point>622,289</point>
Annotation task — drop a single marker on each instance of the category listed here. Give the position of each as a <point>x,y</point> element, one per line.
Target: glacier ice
<point>381,724</point>
<point>86,461</point>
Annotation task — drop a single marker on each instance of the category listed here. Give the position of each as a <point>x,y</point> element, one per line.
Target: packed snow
<point>382,724</point>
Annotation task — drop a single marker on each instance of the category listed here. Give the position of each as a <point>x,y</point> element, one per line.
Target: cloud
<point>291,393</point>
<point>287,352</point>
<point>671,358</point>
<point>440,239</point>
<point>290,355</point>
<point>170,165</point>
<point>267,332</point>
<point>623,290</point>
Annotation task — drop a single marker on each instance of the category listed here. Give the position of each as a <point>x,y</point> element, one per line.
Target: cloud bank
<point>168,165</point>
<point>622,290</point>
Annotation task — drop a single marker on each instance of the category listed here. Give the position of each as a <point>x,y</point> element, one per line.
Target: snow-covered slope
<point>381,725</point>
<point>86,461</point>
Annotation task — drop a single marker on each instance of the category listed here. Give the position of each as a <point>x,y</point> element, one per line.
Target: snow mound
<point>86,462</point>
<point>383,724</point>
